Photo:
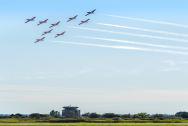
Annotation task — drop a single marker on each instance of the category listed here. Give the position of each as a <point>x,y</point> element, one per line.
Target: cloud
<point>170,62</point>
<point>172,69</point>
<point>184,62</point>
<point>170,66</point>
<point>173,65</point>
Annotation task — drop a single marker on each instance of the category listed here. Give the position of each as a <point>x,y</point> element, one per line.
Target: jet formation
<point>62,33</point>
<point>53,25</point>
<point>42,22</point>
<point>47,32</point>
<point>30,19</point>
<point>90,12</point>
<point>84,21</point>
<point>72,18</point>
<point>39,40</point>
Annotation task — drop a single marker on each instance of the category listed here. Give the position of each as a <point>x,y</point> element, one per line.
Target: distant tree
<point>162,116</point>
<point>37,115</point>
<point>182,114</point>
<point>171,116</point>
<point>126,116</point>
<point>86,114</point>
<point>17,115</point>
<point>91,115</point>
<point>141,115</point>
<point>110,115</point>
<point>158,116</point>
<point>54,113</point>
<point>94,115</point>
<point>4,116</point>
<point>117,119</point>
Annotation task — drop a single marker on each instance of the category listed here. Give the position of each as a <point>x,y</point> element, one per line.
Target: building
<point>70,112</point>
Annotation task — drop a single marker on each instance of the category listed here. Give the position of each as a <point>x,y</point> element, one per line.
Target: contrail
<point>132,34</point>
<point>136,43</point>
<point>124,47</point>
<point>150,21</point>
<point>100,45</point>
<point>145,30</point>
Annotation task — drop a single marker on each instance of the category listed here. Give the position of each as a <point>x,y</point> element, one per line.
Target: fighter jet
<point>30,19</point>
<point>84,21</point>
<point>41,39</point>
<point>55,24</point>
<point>90,12</point>
<point>72,18</point>
<point>47,32</point>
<point>57,35</point>
<point>42,22</point>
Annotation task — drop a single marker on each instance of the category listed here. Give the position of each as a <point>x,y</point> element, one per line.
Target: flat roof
<point>70,107</point>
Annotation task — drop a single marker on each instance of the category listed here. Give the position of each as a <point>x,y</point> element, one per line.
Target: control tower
<point>70,112</point>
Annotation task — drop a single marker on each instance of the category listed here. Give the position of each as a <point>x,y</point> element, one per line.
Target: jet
<point>57,35</point>
<point>55,24</point>
<point>30,19</point>
<point>72,18</point>
<point>42,22</point>
<point>47,32</point>
<point>41,39</point>
<point>90,12</point>
<point>84,21</point>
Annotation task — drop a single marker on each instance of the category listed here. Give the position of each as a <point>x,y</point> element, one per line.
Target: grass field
<point>93,124</point>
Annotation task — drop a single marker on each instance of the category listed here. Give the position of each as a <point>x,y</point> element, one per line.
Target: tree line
<point>142,116</point>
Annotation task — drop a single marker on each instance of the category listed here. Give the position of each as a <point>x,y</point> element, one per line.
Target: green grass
<point>59,120</point>
<point>93,124</point>
<point>89,122</point>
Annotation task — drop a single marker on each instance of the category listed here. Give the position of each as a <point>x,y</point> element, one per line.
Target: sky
<point>130,57</point>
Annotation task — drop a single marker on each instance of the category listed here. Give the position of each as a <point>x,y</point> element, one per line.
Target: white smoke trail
<point>136,43</point>
<point>124,47</point>
<point>145,30</point>
<point>132,34</point>
<point>100,45</point>
<point>149,21</point>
